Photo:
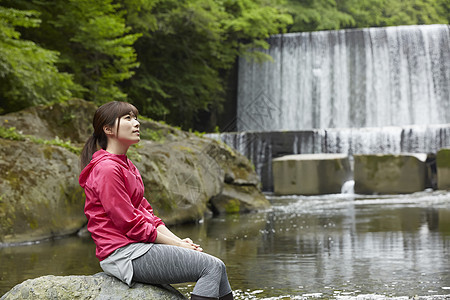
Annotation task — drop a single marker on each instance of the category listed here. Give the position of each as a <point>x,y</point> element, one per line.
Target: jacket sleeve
<point>116,201</point>
<point>146,205</point>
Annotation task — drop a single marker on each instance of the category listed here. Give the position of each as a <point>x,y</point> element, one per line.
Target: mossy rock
<point>239,199</point>
<point>40,196</point>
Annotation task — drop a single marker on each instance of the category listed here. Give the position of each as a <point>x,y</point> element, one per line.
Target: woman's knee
<point>218,265</point>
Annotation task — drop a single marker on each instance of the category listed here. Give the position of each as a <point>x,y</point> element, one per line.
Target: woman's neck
<point>115,147</point>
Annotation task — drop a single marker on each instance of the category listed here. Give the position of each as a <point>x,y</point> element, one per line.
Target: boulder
<point>242,199</point>
<point>443,169</point>
<point>310,174</point>
<point>99,286</point>
<point>71,120</point>
<point>182,172</point>
<point>389,173</point>
<point>39,192</point>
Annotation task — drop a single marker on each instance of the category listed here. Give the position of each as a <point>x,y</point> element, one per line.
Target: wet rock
<point>238,199</point>
<point>98,286</point>
<point>310,174</point>
<point>389,173</point>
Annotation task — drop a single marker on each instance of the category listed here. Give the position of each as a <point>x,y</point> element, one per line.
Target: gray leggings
<point>165,264</point>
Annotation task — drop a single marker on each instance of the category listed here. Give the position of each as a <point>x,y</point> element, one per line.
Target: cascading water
<point>371,77</point>
<point>374,90</point>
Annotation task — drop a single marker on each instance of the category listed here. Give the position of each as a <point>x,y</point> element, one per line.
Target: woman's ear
<point>107,130</point>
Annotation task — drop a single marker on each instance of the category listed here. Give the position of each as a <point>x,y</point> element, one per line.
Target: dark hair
<point>104,115</point>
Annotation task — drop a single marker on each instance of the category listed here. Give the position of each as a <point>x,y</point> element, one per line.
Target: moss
<point>233,206</point>
<point>14,179</point>
<point>443,158</point>
<point>373,163</point>
<point>58,142</point>
<point>48,152</point>
<point>184,148</point>
<point>133,153</point>
<point>197,133</point>
<point>12,134</point>
<point>240,172</point>
<point>33,223</point>
<point>153,135</point>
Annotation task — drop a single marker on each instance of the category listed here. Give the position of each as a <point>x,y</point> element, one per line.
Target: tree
<point>313,15</point>
<point>187,48</point>
<point>94,42</point>
<point>28,75</point>
<point>377,13</point>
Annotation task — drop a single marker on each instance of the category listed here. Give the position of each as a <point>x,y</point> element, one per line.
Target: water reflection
<point>330,246</point>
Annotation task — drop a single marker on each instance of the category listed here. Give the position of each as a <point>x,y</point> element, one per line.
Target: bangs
<point>125,108</point>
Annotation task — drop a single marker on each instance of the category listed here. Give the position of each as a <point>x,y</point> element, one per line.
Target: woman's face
<point>128,131</point>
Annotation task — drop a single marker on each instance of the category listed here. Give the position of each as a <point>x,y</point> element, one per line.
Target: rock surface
<point>99,286</point>
<point>39,192</point>
<point>310,174</point>
<point>389,173</point>
<point>443,169</point>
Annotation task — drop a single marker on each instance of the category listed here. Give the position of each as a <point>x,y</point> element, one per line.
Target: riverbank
<point>187,177</point>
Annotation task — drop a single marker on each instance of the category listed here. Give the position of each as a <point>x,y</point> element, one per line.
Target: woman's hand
<point>188,243</point>
<point>165,236</point>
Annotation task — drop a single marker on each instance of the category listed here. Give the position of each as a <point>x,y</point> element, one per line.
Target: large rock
<point>241,199</point>
<point>310,174</point>
<point>389,173</point>
<point>39,192</point>
<point>99,286</point>
<point>71,120</point>
<point>182,172</point>
<point>443,169</point>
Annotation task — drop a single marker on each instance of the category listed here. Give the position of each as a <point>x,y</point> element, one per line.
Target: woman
<point>133,244</point>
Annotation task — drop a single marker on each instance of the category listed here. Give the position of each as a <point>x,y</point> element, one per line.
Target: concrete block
<point>443,169</point>
<point>310,174</point>
<point>389,173</point>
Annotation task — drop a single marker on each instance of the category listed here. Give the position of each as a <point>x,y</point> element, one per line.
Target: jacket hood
<point>99,156</point>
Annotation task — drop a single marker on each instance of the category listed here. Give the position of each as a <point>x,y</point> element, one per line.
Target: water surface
<point>331,246</point>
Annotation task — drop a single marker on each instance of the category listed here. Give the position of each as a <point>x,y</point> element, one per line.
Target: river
<point>341,246</point>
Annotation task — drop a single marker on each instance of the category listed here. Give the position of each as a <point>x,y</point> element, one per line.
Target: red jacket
<point>117,212</point>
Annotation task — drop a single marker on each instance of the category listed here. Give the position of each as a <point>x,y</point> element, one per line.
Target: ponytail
<point>88,150</point>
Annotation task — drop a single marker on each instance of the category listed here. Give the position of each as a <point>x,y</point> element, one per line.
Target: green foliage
<point>311,15</point>
<point>96,44</point>
<point>28,75</point>
<point>375,13</point>
<point>153,135</point>
<point>12,134</point>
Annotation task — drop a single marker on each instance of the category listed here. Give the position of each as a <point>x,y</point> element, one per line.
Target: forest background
<point>176,60</point>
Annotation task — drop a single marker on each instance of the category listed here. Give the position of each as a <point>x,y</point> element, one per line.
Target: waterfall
<point>373,77</point>
<point>374,90</point>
